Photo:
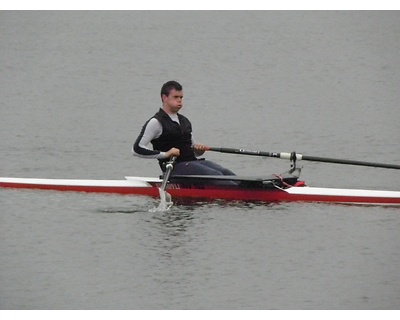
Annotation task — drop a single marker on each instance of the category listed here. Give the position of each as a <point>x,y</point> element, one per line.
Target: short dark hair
<point>168,86</point>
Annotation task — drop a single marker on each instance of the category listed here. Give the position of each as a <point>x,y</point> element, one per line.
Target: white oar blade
<point>165,201</point>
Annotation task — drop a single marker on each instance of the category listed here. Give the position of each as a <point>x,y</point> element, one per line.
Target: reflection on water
<point>180,206</point>
<point>174,222</point>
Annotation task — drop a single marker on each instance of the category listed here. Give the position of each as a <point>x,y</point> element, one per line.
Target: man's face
<point>173,102</point>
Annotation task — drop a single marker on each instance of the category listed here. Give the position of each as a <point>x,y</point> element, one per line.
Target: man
<point>170,133</point>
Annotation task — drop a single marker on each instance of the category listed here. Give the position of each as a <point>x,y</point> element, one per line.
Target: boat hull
<point>149,187</point>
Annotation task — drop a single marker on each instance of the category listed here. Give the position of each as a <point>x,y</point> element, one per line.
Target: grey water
<point>76,88</point>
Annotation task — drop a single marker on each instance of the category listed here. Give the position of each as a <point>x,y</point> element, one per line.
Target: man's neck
<point>169,111</point>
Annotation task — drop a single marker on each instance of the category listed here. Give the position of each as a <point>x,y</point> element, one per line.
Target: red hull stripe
<point>274,195</point>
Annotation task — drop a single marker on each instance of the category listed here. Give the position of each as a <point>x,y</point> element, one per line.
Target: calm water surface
<point>76,87</point>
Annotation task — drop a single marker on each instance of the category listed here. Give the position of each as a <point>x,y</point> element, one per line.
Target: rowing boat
<point>285,187</point>
<point>267,189</point>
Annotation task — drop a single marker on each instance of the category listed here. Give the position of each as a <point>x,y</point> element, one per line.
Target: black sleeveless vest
<point>174,135</point>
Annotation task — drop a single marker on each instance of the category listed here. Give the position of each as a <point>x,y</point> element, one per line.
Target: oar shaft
<point>246,152</point>
<point>351,162</point>
<point>297,156</point>
<point>169,168</point>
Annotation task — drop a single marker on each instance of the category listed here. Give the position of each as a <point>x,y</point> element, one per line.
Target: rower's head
<point>169,86</point>
<point>171,96</point>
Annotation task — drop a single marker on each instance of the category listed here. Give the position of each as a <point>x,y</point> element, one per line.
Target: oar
<point>169,167</point>
<point>296,156</point>
<point>165,197</point>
